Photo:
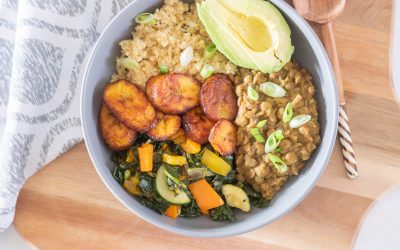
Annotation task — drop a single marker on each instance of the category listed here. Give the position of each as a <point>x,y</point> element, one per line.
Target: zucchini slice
<point>236,197</point>
<point>164,191</point>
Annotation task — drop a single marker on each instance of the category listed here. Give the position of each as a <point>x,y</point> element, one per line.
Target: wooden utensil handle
<point>330,46</point>
<point>346,142</point>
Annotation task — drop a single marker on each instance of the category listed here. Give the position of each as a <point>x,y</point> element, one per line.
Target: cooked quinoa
<point>179,27</point>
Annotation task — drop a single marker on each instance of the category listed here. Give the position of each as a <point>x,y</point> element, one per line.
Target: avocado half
<point>250,33</point>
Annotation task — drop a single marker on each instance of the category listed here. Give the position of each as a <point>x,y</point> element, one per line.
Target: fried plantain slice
<point>130,105</point>
<point>223,137</point>
<point>218,98</point>
<point>179,137</point>
<point>116,135</point>
<point>167,126</point>
<point>197,125</point>
<point>173,93</point>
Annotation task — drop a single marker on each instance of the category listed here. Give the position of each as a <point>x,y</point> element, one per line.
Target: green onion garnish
<point>273,141</point>
<point>128,63</point>
<point>257,135</point>
<point>299,120</point>
<point>278,163</point>
<point>261,123</point>
<point>252,93</point>
<point>146,18</point>
<point>164,69</point>
<point>278,149</point>
<point>210,51</point>
<point>287,113</point>
<point>206,71</point>
<point>127,174</point>
<point>273,90</point>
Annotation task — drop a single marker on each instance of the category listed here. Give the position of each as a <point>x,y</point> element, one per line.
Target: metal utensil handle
<point>347,144</point>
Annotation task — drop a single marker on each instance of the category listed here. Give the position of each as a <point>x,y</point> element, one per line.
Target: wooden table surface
<point>66,205</point>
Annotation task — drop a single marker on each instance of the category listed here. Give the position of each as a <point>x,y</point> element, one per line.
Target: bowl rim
<point>234,229</point>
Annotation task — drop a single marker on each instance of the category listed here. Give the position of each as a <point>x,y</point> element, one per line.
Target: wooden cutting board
<point>66,205</point>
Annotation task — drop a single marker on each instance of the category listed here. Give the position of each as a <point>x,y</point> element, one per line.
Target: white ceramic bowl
<point>308,52</point>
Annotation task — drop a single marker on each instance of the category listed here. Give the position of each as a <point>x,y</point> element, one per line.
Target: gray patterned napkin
<point>44,45</point>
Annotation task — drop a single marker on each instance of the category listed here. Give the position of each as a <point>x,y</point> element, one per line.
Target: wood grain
<point>66,206</point>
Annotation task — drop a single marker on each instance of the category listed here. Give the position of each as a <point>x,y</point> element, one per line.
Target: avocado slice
<point>250,33</point>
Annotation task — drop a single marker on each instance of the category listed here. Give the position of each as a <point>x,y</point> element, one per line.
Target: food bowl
<point>308,52</point>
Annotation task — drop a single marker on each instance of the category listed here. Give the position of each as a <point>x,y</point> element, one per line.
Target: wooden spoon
<point>322,12</point>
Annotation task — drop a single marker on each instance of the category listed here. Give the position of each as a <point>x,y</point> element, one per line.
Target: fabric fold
<point>44,46</point>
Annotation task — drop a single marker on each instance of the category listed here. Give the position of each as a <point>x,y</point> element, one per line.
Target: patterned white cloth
<point>44,45</point>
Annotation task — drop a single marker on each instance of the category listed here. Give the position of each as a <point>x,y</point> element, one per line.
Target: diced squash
<point>129,156</point>
<point>146,157</point>
<point>164,147</point>
<point>172,211</point>
<point>204,212</point>
<point>191,147</point>
<point>205,196</point>
<point>215,163</point>
<point>132,185</point>
<point>174,160</point>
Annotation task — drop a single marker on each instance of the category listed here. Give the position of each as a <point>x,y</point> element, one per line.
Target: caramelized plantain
<point>179,137</point>
<point>167,126</point>
<point>116,135</point>
<point>130,105</point>
<point>173,93</point>
<point>197,125</point>
<point>223,137</point>
<point>218,98</point>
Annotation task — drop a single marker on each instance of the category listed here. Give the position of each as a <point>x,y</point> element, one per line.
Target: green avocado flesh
<point>250,33</point>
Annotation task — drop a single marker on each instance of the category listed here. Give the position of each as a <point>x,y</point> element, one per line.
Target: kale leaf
<point>118,174</point>
<point>118,157</point>
<point>175,171</point>
<point>222,213</point>
<point>190,210</point>
<point>150,197</point>
<point>146,185</point>
<point>255,197</point>
<point>157,204</point>
<point>218,180</point>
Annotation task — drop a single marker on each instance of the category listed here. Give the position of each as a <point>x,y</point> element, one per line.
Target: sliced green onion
<point>128,63</point>
<point>299,120</point>
<point>278,149</point>
<point>273,90</point>
<point>207,71</point>
<point>164,69</point>
<point>146,18</point>
<point>127,174</point>
<point>252,93</point>
<point>278,163</point>
<point>273,141</point>
<point>257,135</point>
<point>210,51</point>
<point>261,123</point>
<point>288,112</point>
